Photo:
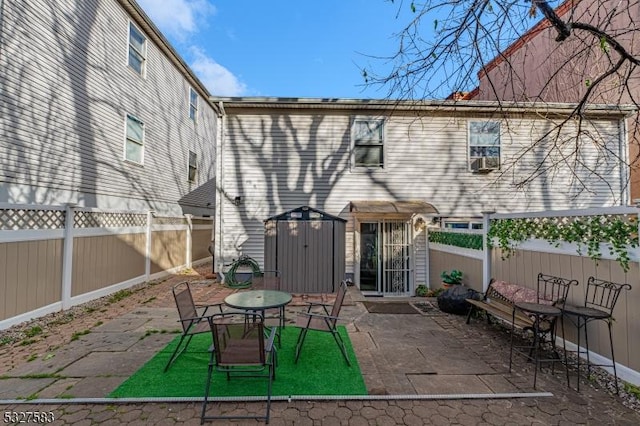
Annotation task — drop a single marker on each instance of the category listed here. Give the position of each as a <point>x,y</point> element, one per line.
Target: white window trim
<point>468,224</point>
<point>469,157</point>
<point>143,71</point>
<point>195,177</point>
<point>356,168</point>
<point>194,106</point>
<point>126,140</point>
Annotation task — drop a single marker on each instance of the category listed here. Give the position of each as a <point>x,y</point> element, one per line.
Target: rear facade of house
<point>390,170</point>
<point>527,70</point>
<point>99,111</point>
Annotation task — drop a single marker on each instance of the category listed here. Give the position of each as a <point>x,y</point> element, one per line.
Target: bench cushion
<point>517,294</point>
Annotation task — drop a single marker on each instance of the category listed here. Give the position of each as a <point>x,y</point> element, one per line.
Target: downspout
<point>218,238</point>
<point>625,178</point>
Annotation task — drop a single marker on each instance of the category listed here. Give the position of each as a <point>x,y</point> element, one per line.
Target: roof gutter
<point>440,106</point>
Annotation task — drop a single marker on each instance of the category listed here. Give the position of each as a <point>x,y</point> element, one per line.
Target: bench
<point>498,302</point>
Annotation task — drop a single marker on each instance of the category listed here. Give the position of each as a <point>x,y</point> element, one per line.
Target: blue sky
<point>281,48</point>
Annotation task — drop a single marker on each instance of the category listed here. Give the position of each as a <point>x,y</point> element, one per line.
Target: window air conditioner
<point>485,164</point>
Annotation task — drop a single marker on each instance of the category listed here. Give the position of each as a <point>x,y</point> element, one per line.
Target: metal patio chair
<point>324,321</point>
<point>551,296</point>
<point>270,280</point>
<point>240,350</point>
<point>192,318</point>
<point>599,301</point>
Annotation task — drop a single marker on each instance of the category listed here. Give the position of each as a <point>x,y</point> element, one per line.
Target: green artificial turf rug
<point>321,370</point>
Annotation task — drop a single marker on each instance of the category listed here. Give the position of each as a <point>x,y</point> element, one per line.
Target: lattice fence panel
<point>169,221</point>
<point>22,219</point>
<point>108,220</point>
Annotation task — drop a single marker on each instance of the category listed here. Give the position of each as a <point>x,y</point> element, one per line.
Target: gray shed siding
<point>279,159</point>
<point>309,255</point>
<point>66,90</point>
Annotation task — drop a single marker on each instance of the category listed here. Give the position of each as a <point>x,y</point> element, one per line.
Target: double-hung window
<point>368,143</point>
<point>137,49</point>
<point>193,166</point>
<point>484,145</point>
<point>134,143</point>
<point>193,104</point>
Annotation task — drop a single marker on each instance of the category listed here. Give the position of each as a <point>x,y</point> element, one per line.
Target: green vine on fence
<point>471,241</point>
<point>620,232</point>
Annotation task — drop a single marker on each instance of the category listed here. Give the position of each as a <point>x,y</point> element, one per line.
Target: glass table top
<point>258,299</point>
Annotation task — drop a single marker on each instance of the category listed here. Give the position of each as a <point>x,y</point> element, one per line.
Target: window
<point>368,136</point>
<point>462,225</point>
<point>134,144</point>
<point>193,166</point>
<point>484,145</point>
<point>193,104</point>
<point>137,49</point>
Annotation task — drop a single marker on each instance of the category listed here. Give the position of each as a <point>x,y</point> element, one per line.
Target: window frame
<point>471,157</point>
<point>458,224</point>
<point>193,107</point>
<point>131,48</point>
<point>357,143</point>
<point>193,166</point>
<point>128,139</point>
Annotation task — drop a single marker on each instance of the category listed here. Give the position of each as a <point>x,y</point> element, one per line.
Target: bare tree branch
<point>499,50</point>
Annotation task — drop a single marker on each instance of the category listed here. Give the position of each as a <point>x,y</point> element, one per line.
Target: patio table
<point>259,301</point>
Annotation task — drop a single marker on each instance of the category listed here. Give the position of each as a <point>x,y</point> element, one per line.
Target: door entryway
<point>385,258</point>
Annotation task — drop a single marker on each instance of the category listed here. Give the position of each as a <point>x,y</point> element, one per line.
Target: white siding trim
<point>31,235</point>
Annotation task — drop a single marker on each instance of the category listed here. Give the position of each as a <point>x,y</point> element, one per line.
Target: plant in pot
<point>421,290</point>
<point>449,278</point>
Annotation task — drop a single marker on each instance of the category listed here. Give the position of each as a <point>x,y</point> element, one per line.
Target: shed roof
<point>305,213</point>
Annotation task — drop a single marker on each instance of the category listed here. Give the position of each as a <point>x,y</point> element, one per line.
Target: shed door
<point>305,256</point>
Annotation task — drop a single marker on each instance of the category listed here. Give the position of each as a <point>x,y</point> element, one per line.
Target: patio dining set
<point>246,332</point>
<point>542,312</point>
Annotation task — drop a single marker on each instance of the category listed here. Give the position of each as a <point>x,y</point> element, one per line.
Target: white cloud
<point>218,80</point>
<point>178,18</point>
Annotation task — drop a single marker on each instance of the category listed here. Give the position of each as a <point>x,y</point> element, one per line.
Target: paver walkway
<point>425,368</point>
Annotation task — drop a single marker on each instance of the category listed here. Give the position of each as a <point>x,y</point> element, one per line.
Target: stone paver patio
<point>429,368</point>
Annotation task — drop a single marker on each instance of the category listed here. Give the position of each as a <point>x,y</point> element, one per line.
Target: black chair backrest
<point>552,289</point>
<point>603,294</point>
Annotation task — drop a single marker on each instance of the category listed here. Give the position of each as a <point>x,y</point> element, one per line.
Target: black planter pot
<point>452,300</point>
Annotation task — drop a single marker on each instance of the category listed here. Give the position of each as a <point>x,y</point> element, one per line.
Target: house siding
<point>528,69</point>
<point>66,90</point>
<point>276,161</point>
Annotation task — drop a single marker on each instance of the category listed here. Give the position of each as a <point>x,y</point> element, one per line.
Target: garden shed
<point>307,247</point>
